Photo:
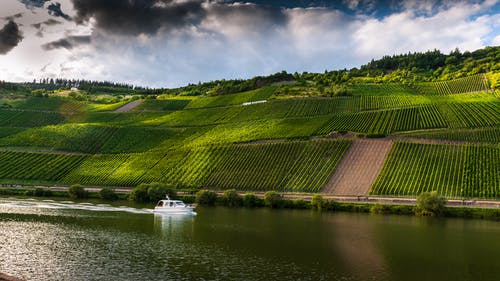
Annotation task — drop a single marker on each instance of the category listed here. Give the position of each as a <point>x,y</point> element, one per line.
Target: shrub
<point>77,191</point>
<point>273,199</point>
<point>147,193</point>
<point>231,198</point>
<point>157,191</point>
<point>206,197</point>
<point>380,209</point>
<point>250,200</point>
<point>39,192</point>
<point>430,204</point>
<point>139,194</point>
<point>298,204</point>
<point>107,193</point>
<point>317,202</point>
<point>330,205</point>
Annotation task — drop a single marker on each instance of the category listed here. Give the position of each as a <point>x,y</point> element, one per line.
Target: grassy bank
<point>272,200</point>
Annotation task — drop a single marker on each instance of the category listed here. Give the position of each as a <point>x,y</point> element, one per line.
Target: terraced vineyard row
<point>491,135</point>
<point>291,166</point>
<point>26,119</point>
<point>383,89</point>
<point>314,107</point>
<point>384,102</point>
<point>473,83</point>
<point>386,121</point>
<point>452,171</point>
<point>297,166</point>
<point>232,99</point>
<point>96,169</point>
<point>472,114</point>
<point>37,166</point>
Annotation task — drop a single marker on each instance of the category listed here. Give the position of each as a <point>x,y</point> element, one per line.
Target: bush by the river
<point>430,204</point>
<point>77,191</point>
<point>107,193</point>
<point>317,202</point>
<point>273,199</point>
<point>39,192</point>
<point>251,200</point>
<point>206,197</point>
<point>231,198</point>
<point>153,192</point>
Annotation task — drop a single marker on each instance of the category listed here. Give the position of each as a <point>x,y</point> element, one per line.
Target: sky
<point>170,43</point>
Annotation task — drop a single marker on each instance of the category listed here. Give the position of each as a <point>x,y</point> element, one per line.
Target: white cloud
<point>403,32</point>
<point>244,40</point>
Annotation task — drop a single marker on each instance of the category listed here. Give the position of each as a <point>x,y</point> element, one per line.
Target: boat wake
<point>69,205</point>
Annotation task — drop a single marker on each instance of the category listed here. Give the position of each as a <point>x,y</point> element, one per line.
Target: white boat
<point>167,206</point>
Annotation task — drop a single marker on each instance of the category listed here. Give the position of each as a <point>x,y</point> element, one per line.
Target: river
<point>49,240</point>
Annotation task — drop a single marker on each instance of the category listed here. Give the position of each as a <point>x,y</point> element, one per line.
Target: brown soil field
<point>359,168</point>
<point>129,106</point>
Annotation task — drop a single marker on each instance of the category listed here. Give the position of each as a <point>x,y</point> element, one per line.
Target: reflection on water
<point>51,240</point>
<point>170,225</point>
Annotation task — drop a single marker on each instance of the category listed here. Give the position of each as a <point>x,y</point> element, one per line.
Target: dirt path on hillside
<point>129,106</point>
<point>359,168</point>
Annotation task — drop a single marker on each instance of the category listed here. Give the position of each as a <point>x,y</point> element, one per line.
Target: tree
<point>146,193</point>
<point>77,191</point>
<point>430,204</point>
<point>231,198</point>
<point>107,193</point>
<point>273,199</point>
<point>206,197</point>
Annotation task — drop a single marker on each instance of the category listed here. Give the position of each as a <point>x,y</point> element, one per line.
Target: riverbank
<point>476,209</point>
<point>61,191</point>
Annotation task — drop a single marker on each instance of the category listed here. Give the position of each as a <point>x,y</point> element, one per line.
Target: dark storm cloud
<point>56,11</point>
<point>134,17</point>
<point>33,3</point>
<point>10,36</point>
<point>67,43</point>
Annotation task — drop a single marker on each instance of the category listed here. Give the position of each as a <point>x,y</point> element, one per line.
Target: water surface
<point>46,240</point>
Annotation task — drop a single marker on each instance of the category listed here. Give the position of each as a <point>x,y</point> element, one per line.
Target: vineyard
<point>451,170</point>
<point>291,165</point>
<point>487,135</point>
<point>289,139</point>
<point>475,83</point>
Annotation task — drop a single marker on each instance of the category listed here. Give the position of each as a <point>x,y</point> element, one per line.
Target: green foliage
<point>317,202</point>
<point>488,135</point>
<point>281,166</point>
<point>139,194</point>
<point>107,193</point>
<point>250,200</point>
<point>231,198</point>
<point>39,192</point>
<point>380,209</point>
<point>450,170</point>
<point>151,193</point>
<point>430,204</point>
<point>157,191</point>
<point>77,191</point>
<point>206,197</point>
<point>274,199</point>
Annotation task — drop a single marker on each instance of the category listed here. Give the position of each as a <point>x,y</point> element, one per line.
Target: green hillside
<point>287,135</point>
